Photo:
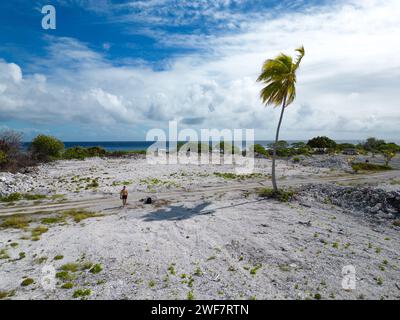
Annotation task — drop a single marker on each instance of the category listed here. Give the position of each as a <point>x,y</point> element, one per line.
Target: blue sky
<point>112,70</point>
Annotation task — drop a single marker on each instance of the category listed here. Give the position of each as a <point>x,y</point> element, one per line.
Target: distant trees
<point>322,143</point>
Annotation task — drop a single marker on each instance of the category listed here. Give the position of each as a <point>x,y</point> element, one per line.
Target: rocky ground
<point>229,244</point>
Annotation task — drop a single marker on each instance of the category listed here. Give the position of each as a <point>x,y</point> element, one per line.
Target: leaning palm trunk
<point>274,184</point>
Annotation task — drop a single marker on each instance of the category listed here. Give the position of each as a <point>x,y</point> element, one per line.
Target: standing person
<point>124,195</point>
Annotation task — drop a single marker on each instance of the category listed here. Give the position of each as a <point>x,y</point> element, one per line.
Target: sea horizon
<point>143,145</point>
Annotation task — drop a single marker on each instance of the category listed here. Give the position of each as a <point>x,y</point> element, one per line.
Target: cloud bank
<point>347,86</point>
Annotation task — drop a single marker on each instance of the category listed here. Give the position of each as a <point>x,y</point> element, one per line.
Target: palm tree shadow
<point>174,213</point>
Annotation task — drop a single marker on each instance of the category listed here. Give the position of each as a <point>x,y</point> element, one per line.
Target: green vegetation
<point>38,231</point>
<point>59,257</point>
<point>82,293</point>
<point>171,269</point>
<point>6,294</point>
<point>16,222</point>
<point>80,214</point>
<point>259,149</point>
<point>233,176</point>
<point>80,153</point>
<point>72,267</point>
<point>96,269</point>
<point>27,282</point>
<point>67,285</point>
<point>152,283</point>
<point>16,196</point>
<point>195,147</point>
<point>227,148</point>
<point>4,254</point>
<point>370,167</point>
<point>317,296</point>
<point>190,295</point>
<point>11,197</point>
<point>198,272</point>
<point>279,77</point>
<point>46,147</point>
<point>280,195</point>
<point>64,275</point>
<point>52,220</point>
<point>254,270</point>
<point>322,143</point>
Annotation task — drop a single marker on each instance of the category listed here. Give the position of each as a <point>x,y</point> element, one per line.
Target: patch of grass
<point>4,254</point>
<point>27,282</point>
<point>317,296</point>
<point>93,184</point>
<point>190,282</point>
<point>14,244</point>
<point>72,267</point>
<point>87,266</point>
<point>38,231</point>
<point>6,294</point>
<point>63,275</point>
<point>190,295</point>
<point>171,269</point>
<point>81,293</point>
<point>335,245</point>
<point>52,220</point>
<point>152,283</point>
<point>41,260</point>
<point>284,268</point>
<point>396,223</point>
<point>96,269</point>
<point>198,272</point>
<point>280,195</point>
<point>79,214</point>
<point>59,257</point>
<point>57,196</point>
<point>32,197</point>
<point>379,281</point>
<point>254,270</point>
<point>370,167</point>
<point>68,285</point>
<point>16,196</point>
<point>211,258</point>
<point>233,176</point>
<point>16,222</point>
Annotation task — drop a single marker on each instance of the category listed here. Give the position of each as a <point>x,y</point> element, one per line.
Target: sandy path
<point>106,202</point>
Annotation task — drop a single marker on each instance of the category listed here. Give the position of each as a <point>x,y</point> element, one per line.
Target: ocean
<point>143,145</point>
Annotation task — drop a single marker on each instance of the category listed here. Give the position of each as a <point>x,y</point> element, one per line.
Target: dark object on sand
<point>148,201</point>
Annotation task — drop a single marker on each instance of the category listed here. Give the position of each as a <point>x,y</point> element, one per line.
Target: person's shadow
<point>173,213</point>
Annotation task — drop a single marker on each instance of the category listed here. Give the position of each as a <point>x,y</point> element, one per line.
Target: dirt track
<point>107,202</point>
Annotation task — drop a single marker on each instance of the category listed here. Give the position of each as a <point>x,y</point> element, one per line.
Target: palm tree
<point>279,77</point>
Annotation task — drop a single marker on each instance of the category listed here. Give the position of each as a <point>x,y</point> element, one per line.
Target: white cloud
<point>347,86</point>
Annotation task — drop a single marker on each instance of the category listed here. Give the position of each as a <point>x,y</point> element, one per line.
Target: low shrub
<point>11,197</point>
<point>281,195</point>
<point>46,147</point>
